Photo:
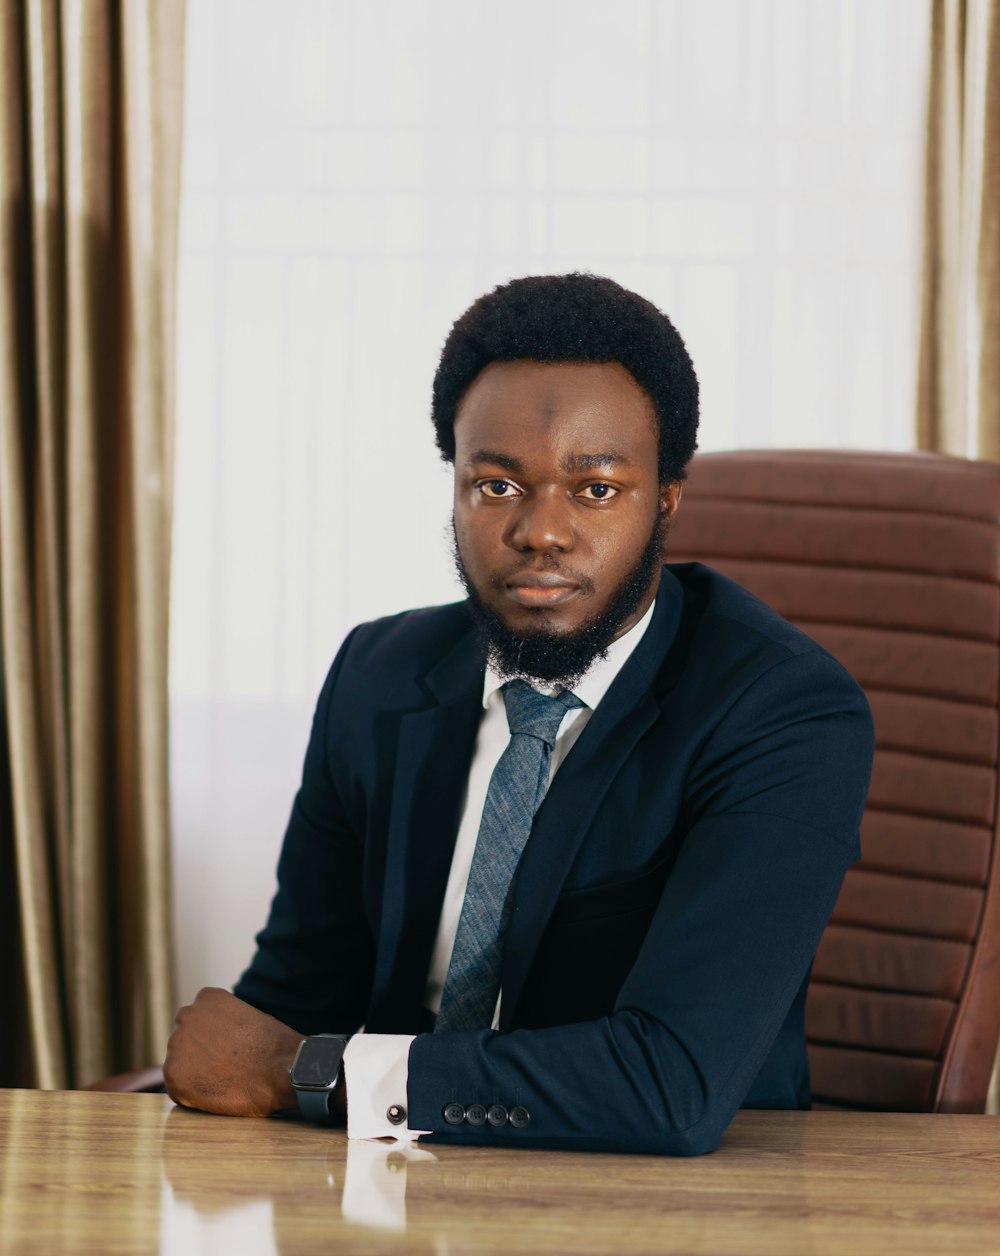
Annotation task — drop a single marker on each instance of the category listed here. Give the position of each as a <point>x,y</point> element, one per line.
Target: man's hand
<point>225,1056</point>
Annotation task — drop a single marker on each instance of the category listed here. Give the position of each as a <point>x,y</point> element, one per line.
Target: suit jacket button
<point>454,1113</point>
<point>497,1115</point>
<point>519,1117</point>
<point>475,1114</point>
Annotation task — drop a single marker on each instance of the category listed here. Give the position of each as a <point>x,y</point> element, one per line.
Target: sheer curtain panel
<point>90,126</point>
<point>959,387</point>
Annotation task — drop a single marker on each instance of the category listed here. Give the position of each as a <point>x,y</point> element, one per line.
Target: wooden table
<point>101,1173</point>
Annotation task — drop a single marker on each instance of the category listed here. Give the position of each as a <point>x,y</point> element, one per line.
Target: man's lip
<point>540,589</point>
<point>539,580</point>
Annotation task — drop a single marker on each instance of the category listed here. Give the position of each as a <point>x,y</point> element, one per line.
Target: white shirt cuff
<point>376,1071</point>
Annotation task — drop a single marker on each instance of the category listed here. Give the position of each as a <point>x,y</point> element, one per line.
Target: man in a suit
<point>564,850</point>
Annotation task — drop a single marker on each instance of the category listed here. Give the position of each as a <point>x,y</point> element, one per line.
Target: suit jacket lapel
<point>628,709</point>
<point>435,746</point>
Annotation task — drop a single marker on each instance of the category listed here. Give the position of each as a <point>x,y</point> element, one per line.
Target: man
<point>564,850</point>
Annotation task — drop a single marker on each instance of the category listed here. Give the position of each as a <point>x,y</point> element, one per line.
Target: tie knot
<point>535,714</point>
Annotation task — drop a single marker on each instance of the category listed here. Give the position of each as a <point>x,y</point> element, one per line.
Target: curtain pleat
<point>154,87</point>
<point>958,394</point>
<point>31,846</point>
<point>42,60</point>
<point>90,135</point>
<point>988,256</point>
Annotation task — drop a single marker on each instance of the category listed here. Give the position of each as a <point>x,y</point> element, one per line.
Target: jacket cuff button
<point>475,1114</point>
<point>519,1117</point>
<point>454,1113</point>
<point>497,1114</point>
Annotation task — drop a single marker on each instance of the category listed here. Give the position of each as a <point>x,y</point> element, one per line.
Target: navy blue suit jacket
<point>668,903</point>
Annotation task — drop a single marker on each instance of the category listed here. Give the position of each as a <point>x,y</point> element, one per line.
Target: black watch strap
<point>317,1073</point>
<point>314,1104</point>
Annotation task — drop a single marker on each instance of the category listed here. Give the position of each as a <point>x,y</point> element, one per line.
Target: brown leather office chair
<point>892,562</point>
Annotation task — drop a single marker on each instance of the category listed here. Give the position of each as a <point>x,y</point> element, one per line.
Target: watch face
<point>318,1062</point>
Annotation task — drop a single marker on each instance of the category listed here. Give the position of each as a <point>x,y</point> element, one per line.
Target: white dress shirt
<point>375,1065</point>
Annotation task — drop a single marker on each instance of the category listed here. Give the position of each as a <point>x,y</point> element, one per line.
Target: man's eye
<point>598,492</point>
<point>497,488</point>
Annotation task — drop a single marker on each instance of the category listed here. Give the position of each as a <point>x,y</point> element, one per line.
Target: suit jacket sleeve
<point>315,957</point>
<point>772,808</point>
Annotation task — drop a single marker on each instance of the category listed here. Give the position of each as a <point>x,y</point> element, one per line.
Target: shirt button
<point>475,1114</point>
<point>454,1113</point>
<point>519,1117</point>
<point>395,1114</point>
<point>497,1115</point>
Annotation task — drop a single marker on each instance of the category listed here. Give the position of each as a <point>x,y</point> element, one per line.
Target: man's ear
<point>670,497</point>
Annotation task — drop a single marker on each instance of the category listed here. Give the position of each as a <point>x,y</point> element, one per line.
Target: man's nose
<point>540,521</point>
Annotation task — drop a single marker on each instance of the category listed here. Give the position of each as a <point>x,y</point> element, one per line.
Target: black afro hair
<point>573,318</point>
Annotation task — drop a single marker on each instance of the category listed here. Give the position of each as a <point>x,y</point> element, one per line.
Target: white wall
<point>355,175</point>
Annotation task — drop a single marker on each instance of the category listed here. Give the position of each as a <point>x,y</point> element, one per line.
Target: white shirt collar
<point>596,681</point>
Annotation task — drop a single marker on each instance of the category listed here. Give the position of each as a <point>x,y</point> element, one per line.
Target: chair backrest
<point>892,562</point>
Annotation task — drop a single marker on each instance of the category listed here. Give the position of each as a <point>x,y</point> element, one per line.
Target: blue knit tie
<point>516,790</point>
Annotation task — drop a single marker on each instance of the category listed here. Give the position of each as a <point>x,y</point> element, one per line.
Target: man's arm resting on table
<point>227,1057</point>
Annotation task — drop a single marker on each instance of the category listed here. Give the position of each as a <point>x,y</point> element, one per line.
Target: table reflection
<point>366,1179</point>
<point>361,1184</point>
<point>323,1190</point>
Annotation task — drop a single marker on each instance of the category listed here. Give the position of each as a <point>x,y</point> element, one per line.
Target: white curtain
<point>355,175</point>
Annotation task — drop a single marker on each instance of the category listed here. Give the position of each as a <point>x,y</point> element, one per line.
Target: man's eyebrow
<point>573,463</point>
<point>593,462</point>
<point>507,461</point>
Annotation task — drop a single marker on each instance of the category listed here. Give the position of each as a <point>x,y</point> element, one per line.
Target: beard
<point>562,658</point>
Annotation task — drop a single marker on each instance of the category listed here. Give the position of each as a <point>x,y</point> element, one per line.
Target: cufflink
<point>395,1114</point>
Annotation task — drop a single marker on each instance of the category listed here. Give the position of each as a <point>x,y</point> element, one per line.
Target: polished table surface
<point>85,1172</point>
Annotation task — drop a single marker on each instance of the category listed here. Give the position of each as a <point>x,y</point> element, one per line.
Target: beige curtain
<point>90,125</point>
<point>958,395</point>
<point>958,400</point>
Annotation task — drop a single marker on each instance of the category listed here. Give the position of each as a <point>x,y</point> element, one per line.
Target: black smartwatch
<point>315,1074</point>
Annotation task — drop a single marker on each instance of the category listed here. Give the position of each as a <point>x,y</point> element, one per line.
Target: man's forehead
<point>593,412</point>
<point>550,387</point>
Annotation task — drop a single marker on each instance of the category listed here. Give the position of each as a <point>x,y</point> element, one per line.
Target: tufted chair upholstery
<point>892,562</point>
